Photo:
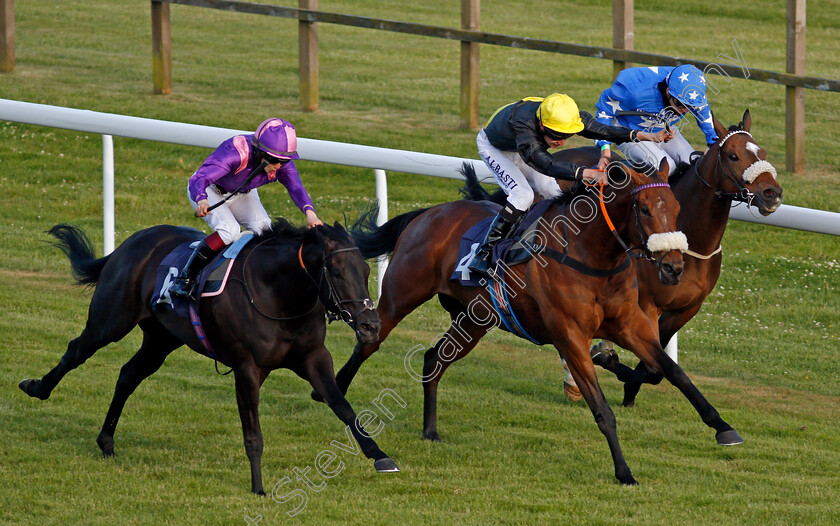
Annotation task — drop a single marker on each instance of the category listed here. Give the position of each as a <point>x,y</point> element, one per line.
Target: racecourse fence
<point>375,158</point>
<point>622,54</point>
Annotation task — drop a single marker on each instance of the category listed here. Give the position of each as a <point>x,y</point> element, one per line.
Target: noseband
<point>743,195</point>
<point>644,251</point>
<point>335,303</point>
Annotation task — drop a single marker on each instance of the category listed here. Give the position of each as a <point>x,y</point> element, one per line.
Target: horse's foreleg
<point>248,381</point>
<point>580,365</point>
<point>454,344</point>
<point>669,324</point>
<point>157,345</point>
<point>319,371</point>
<point>644,343</point>
<point>391,311</point>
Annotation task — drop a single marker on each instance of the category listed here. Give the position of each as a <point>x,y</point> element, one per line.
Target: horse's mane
<point>282,230</point>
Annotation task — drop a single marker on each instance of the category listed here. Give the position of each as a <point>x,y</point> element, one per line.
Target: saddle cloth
<point>509,250</point>
<point>211,281</point>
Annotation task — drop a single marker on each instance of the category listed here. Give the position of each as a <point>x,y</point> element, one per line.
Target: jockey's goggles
<point>555,135</point>
<point>274,160</point>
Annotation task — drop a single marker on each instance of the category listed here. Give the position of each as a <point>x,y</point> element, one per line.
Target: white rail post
<point>108,193</point>
<point>381,219</point>
<point>671,348</point>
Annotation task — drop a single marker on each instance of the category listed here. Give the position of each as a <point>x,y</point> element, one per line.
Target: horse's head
<point>654,214</point>
<point>346,275</point>
<point>742,170</point>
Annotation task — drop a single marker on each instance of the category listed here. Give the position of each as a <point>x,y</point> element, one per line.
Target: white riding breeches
<point>676,150</point>
<point>517,179</point>
<point>241,209</point>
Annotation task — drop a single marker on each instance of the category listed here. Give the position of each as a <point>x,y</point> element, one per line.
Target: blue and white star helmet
<point>687,84</point>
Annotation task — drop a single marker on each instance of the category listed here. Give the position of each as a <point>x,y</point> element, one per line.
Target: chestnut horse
<point>567,304</point>
<point>733,169</point>
<point>270,315</point>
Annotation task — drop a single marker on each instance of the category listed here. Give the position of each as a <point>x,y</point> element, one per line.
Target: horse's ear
<point>617,173</point>
<point>338,226</point>
<point>663,170</point>
<point>720,129</point>
<point>746,122</point>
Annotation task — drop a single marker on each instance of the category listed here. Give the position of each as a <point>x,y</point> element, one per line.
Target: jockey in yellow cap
<point>514,145</point>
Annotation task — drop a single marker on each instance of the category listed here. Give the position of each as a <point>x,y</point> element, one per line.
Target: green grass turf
<point>763,350</point>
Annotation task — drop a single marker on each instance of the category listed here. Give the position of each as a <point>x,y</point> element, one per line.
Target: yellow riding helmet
<point>560,113</point>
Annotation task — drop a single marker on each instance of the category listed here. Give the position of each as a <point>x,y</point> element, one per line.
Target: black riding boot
<point>500,229</point>
<point>184,284</point>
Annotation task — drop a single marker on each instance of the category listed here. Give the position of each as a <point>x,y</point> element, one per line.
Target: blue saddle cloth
<point>508,250</point>
<point>209,279</point>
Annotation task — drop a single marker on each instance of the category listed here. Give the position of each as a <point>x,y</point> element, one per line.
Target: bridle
<point>724,166</point>
<point>643,251</point>
<point>333,302</point>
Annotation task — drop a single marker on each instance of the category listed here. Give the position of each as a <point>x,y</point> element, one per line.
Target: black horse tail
<point>472,189</point>
<point>77,247</point>
<point>374,240</point>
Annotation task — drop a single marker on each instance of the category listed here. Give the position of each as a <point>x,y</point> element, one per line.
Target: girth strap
<point>579,266</point>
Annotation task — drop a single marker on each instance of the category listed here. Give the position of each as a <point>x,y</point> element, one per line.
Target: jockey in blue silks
<point>671,92</point>
<point>228,181</point>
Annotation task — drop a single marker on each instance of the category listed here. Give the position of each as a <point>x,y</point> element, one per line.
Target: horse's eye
<point>733,157</point>
<point>645,210</point>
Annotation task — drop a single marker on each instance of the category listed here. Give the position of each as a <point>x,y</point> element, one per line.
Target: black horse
<point>270,316</point>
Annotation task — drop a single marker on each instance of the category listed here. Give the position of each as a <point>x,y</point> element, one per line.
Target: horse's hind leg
<point>108,321</point>
<point>319,371</point>
<point>158,343</point>
<point>249,378</point>
<point>460,339</point>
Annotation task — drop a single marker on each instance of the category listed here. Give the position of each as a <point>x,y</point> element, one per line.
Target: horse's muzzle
<point>768,200</point>
<point>671,269</point>
<point>367,326</point>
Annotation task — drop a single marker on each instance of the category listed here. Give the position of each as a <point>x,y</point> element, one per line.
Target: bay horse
<point>554,302</point>
<point>271,315</point>
<point>733,169</point>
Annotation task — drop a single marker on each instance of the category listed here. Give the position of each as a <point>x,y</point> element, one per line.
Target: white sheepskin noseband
<point>757,168</point>
<point>667,241</point>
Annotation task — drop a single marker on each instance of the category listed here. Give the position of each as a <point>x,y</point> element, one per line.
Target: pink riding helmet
<point>277,137</point>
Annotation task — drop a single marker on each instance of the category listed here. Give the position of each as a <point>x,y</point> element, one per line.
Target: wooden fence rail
<point>622,53</point>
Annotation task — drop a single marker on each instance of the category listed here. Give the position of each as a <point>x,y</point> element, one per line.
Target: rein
<point>642,252</point>
<point>332,306</point>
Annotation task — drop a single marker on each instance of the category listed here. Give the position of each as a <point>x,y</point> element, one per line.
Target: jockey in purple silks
<point>234,167</point>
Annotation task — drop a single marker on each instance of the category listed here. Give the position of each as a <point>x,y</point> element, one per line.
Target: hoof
<point>602,353</point>
<point>386,465</point>
<point>629,481</point>
<point>432,435</point>
<point>572,392</point>
<point>729,438</point>
<point>29,387</point>
<point>315,396</point>
<point>106,445</point>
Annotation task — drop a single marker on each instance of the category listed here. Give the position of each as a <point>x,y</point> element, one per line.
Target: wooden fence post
<point>795,97</point>
<point>622,31</point>
<point>470,78</point>
<point>161,48</point>
<point>7,36</point>
<point>308,58</point>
